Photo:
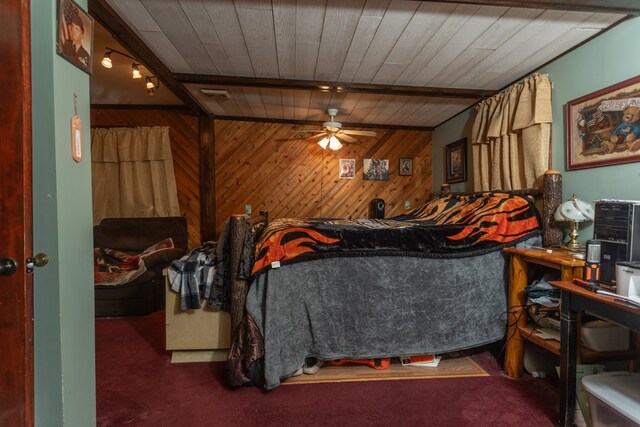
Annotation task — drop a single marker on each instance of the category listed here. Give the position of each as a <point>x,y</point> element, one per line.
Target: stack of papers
<point>424,360</point>
<point>548,334</point>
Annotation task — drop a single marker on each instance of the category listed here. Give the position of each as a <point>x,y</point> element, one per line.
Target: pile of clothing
<point>194,277</point>
<point>541,292</point>
<point>205,273</point>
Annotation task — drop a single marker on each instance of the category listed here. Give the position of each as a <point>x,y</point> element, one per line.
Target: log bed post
<point>237,226</point>
<point>552,198</point>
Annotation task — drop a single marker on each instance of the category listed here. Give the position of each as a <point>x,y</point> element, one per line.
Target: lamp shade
<point>334,144</point>
<point>574,210</point>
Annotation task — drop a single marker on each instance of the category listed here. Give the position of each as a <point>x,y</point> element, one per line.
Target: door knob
<point>8,266</point>
<point>39,260</point>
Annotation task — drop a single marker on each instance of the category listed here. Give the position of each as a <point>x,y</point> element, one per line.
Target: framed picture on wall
<point>405,167</point>
<point>376,169</point>
<point>75,35</point>
<point>347,169</point>
<point>603,127</point>
<point>456,159</point>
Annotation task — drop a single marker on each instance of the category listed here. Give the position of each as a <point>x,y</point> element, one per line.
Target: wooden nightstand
<point>517,331</point>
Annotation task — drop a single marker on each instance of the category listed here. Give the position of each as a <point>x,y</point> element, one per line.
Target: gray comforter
<point>377,307</point>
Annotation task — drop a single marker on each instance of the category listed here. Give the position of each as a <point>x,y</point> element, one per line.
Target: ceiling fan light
<point>150,84</point>
<point>323,142</point>
<point>334,144</point>
<point>135,72</point>
<point>106,60</point>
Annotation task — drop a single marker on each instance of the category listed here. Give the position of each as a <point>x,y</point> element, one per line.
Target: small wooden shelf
<point>527,332</point>
<point>566,263</point>
<point>586,355</point>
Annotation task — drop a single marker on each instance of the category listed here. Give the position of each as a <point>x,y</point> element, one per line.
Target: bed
<point>428,282</point>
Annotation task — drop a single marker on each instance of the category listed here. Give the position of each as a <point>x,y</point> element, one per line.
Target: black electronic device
<point>377,209</point>
<point>592,262</point>
<point>617,227</point>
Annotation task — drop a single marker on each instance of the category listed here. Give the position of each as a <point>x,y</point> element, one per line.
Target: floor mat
<point>461,366</point>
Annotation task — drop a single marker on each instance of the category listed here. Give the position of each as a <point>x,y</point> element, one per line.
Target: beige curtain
<point>132,173</point>
<point>511,137</point>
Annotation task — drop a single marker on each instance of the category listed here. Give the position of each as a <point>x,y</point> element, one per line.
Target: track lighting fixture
<point>151,82</point>
<point>135,72</point>
<point>106,60</point>
<point>152,85</point>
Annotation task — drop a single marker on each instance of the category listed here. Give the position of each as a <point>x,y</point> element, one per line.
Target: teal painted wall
<point>63,291</point>
<point>451,131</point>
<point>605,60</point>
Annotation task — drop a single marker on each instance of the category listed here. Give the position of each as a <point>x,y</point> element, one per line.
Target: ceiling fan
<point>332,132</point>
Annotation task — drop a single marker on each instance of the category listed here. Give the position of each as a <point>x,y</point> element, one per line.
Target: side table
<point>559,259</point>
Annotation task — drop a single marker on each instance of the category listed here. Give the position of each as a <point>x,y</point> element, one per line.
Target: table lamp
<point>574,211</point>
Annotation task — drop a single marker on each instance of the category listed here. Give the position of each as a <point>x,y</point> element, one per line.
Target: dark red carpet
<point>138,386</point>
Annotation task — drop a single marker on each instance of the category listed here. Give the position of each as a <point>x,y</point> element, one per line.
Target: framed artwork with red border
<point>603,127</point>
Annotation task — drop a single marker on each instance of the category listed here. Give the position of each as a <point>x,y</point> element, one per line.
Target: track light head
<point>106,60</point>
<point>135,72</point>
<point>152,85</point>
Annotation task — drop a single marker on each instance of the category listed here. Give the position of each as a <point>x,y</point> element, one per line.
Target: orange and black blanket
<point>449,227</point>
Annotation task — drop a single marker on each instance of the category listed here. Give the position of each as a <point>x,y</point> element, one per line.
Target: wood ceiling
<point>404,64</point>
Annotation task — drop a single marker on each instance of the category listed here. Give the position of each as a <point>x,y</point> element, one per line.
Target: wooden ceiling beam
<point>321,86</point>
<point>626,7</point>
<point>317,122</point>
<point>104,13</point>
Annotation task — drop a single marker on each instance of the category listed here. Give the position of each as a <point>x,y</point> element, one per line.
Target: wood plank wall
<point>257,166</point>
<point>183,131</point>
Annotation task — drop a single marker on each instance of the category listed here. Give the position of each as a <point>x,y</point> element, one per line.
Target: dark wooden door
<point>16,296</point>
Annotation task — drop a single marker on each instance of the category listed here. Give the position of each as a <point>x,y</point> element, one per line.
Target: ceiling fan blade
<point>315,136</point>
<point>300,138</point>
<point>359,132</point>
<point>346,137</point>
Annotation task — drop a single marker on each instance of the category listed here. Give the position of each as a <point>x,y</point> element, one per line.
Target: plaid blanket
<point>112,267</point>
<point>192,276</point>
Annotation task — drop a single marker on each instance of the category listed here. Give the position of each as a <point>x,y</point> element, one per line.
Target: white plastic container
<point>614,398</point>
<point>600,335</point>
<point>628,280</point>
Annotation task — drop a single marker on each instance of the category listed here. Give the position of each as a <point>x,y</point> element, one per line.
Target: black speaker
<point>377,209</point>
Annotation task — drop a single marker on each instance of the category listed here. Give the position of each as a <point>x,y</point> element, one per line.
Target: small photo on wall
<point>347,168</point>
<point>405,168</point>
<point>376,169</point>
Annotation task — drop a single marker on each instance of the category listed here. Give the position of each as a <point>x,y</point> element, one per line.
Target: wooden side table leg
<point>514,352</point>
<point>568,353</point>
